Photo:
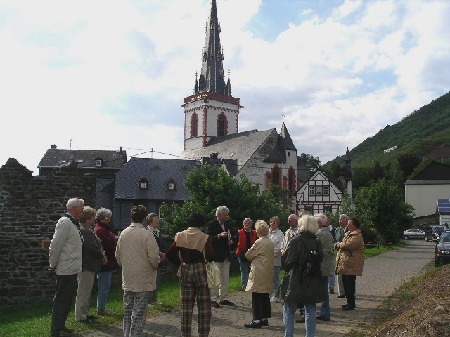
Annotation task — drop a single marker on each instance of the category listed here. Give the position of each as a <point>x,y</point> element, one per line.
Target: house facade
<point>319,195</point>
<point>424,189</point>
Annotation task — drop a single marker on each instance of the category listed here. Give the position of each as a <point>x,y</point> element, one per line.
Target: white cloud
<point>72,69</point>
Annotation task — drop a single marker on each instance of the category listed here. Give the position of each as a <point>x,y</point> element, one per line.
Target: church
<point>211,128</point>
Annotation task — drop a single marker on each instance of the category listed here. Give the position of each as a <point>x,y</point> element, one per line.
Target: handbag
<point>214,276</point>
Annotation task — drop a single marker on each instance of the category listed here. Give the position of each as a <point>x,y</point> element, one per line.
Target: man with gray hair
<point>292,231</point>
<point>326,239</point>
<point>65,258</point>
<point>339,236</point>
<point>218,230</point>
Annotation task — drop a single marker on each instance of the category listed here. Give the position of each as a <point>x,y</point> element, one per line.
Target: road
<point>382,275</point>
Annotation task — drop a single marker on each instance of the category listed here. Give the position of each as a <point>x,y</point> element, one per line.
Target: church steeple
<point>210,111</point>
<point>212,75</point>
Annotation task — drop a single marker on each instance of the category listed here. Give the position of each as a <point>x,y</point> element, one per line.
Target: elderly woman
<point>188,252</point>
<point>109,242</point>
<point>261,275</point>
<point>298,287</point>
<point>350,260</point>
<point>93,257</point>
<point>246,238</point>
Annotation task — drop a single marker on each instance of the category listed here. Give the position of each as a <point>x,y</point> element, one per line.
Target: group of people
<point>84,247</point>
<point>77,254</point>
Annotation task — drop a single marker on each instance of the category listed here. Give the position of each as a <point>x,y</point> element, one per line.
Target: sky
<point>106,74</point>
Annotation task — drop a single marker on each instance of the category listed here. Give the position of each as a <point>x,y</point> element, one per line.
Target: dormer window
<point>98,162</point>
<point>143,184</point>
<point>171,186</point>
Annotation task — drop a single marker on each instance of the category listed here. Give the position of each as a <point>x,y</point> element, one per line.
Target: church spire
<point>211,78</point>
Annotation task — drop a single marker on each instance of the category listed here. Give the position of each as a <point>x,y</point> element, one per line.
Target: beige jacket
<point>138,254</point>
<point>350,258</point>
<point>261,270</point>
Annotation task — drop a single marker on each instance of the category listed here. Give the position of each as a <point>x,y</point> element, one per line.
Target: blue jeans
<point>325,306</point>
<point>331,277</point>
<point>289,309</point>
<point>243,264</point>
<point>276,279</point>
<point>104,284</point>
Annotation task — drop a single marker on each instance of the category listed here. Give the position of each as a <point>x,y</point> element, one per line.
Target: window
<point>171,186</point>
<point>98,162</point>
<point>221,125</point>
<point>194,125</point>
<point>312,190</point>
<point>276,175</point>
<point>318,190</point>
<point>309,210</point>
<point>327,209</point>
<point>143,184</point>
<point>326,190</point>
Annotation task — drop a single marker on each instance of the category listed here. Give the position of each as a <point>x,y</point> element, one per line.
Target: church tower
<point>211,111</point>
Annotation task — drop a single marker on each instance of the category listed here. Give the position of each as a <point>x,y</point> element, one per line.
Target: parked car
<point>413,233</point>
<point>442,249</point>
<point>437,231</point>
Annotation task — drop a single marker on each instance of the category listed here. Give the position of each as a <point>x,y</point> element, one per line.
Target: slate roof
<point>157,172</point>
<point>236,149</point>
<point>55,158</point>
<point>434,171</point>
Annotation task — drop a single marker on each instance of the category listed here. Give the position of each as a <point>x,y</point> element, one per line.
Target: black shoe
<point>322,318</point>
<point>264,322</point>
<point>331,291</point>
<point>86,320</point>
<point>341,296</point>
<point>253,324</point>
<point>214,304</point>
<point>301,320</point>
<point>226,302</point>
<point>348,307</point>
<point>91,317</point>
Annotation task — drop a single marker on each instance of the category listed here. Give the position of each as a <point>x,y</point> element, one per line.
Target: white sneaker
<point>273,299</point>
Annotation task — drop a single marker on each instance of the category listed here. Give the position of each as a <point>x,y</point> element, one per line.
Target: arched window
<point>194,125</point>
<point>276,175</point>
<point>221,125</point>
<point>291,180</point>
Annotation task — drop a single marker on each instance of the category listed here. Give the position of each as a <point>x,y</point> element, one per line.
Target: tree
<point>210,186</point>
<point>382,209</point>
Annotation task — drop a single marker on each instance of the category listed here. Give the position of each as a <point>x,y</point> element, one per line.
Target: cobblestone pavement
<point>382,275</point>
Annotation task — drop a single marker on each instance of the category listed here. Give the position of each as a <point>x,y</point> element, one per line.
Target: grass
<point>33,319</point>
<point>401,297</point>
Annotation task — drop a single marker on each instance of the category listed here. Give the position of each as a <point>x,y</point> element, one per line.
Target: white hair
<point>321,220</point>
<point>222,209</point>
<point>74,202</point>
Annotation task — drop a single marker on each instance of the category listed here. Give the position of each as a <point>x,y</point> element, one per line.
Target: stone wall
<point>29,208</point>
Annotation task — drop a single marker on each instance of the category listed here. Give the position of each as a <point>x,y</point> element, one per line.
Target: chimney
<point>53,146</point>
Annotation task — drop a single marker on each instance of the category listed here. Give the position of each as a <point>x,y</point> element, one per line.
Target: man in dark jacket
<point>218,230</point>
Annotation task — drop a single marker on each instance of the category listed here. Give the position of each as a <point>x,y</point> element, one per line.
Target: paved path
<point>382,275</point>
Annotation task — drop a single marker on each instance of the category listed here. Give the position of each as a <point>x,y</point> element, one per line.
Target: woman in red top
<point>109,242</point>
<point>246,238</point>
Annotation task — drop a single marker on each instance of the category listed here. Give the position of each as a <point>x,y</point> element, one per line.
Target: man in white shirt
<point>276,236</point>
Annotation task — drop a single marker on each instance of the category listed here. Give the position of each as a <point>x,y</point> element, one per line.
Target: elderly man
<point>218,230</point>
<point>292,231</point>
<point>339,236</point>
<point>326,239</point>
<point>65,258</point>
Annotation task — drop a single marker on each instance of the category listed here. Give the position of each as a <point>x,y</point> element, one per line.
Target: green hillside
<point>425,133</point>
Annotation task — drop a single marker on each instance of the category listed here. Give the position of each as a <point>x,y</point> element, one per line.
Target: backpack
<point>313,260</point>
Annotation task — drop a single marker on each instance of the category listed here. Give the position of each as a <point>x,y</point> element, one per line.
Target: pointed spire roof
<point>212,75</point>
<point>288,143</point>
